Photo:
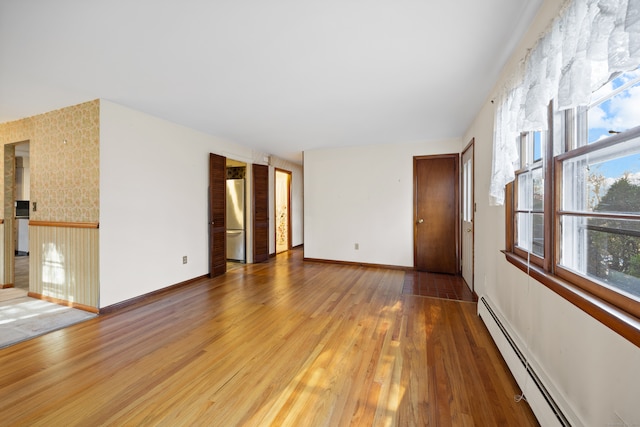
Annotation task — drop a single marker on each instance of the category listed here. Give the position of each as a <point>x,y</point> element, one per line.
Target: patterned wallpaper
<point>236,172</point>
<point>64,154</point>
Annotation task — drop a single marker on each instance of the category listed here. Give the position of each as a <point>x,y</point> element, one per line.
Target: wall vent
<point>504,342</point>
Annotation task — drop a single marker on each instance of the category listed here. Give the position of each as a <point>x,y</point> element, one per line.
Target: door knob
<point>468,230</point>
<point>420,221</point>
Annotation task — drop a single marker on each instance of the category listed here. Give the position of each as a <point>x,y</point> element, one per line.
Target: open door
<point>468,211</point>
<point>283,210</point>
<point>260,213</point>
<point>217,217</point>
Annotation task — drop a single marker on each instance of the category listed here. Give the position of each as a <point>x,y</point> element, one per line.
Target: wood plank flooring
<point>436,285</point>
<point>280,343</point>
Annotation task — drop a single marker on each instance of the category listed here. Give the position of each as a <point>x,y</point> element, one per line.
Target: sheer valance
<point>589,41</point>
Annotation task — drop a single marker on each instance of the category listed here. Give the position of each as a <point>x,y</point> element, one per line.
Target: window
<point>529,197</point>
<point>577,216</point>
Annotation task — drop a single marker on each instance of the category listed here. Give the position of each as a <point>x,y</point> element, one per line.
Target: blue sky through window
<point>537,146</point>
<point>615,111</point>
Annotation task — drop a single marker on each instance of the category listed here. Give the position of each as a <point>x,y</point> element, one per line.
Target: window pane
<point>538,189</point>
<point>525,192</point>
<point>605,250</point>
<point>537,146</point>
<point>530,223</point>
<point>537,244</point>
<point>607,180</point>
<point>467,192</point>
<point>615,107</point>
<point>523,231</point>
<point>530,232</point>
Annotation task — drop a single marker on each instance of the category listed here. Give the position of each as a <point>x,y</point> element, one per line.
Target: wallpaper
<point>281,206</point>
<point>236,172</point>
<point>64,154</point>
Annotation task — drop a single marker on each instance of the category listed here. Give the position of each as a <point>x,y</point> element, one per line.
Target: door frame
<point>470,146</point>
<point>10,223</point>
<point>275,207</point>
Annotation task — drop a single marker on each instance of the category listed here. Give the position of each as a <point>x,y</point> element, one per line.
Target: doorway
<point>283,210</point>
<point>436,213</point>
<point>16,214</point>
<point>468,212</point>
<point>236,211</point>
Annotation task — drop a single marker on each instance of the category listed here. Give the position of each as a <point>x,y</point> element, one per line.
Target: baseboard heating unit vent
<point>540,400</point>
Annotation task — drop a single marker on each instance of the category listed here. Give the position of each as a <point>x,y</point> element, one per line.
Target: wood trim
<point>510,216</point>
<point>2,221</point>
<point>535,259</point>
<point>358,264</point>
<point>149,297</point>
<point>469,144</point>
<point>617,320</point>
<point>603,292</point>
<point>64,302</point>
<point>7,286</point>
<point>548,197</point>
<point>64,224</point>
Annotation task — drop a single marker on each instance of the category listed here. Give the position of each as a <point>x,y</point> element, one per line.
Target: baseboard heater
<point>540,400</point>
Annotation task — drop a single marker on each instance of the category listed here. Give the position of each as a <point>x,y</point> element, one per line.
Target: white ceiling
<point>279,76</point>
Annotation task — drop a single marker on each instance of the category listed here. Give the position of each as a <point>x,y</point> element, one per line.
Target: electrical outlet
<point>184,259</point>
<point>356,246</point>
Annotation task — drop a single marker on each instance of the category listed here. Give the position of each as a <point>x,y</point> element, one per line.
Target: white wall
<point>154,201</point>
<point>595,372</point>
<point>363,195</point>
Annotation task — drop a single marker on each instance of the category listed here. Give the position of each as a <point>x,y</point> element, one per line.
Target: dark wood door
<point>436,213</point>
<point>217,214</point>
<point>260,213</point>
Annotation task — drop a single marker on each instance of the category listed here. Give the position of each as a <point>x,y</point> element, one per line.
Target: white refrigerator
<point>235,220</point>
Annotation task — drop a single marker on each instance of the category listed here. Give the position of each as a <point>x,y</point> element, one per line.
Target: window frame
<point>526,150</point>
<point>617,311</point>
<point>612,297</point>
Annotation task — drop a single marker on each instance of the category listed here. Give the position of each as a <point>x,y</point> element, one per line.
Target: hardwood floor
<point>436,285</point>
<point>279,343</point>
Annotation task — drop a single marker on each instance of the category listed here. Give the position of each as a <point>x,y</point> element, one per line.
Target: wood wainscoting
<point>64,262</point>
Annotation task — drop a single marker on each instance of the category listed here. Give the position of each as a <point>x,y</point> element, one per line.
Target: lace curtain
<point>588,42</point>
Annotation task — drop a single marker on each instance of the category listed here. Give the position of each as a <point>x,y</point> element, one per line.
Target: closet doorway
<point>236,212</point>
<point>22,197</point>
<point>283,210</point>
